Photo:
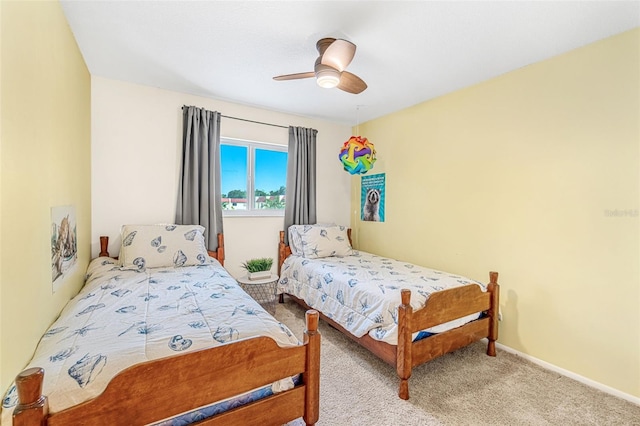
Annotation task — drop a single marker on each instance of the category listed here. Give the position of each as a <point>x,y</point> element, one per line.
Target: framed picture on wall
<point>64,244</point>
<point>372,198</point>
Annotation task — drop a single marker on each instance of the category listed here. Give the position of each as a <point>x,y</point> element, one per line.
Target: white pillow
<point>324,241</point>
<point>153,246</point>
<point>295,241</point>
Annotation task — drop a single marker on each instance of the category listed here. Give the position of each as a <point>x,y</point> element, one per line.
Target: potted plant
<point>258,268</point>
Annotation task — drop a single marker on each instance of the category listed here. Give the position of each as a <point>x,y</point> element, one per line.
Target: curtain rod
<point>257,122</point>
<point>251,121</point>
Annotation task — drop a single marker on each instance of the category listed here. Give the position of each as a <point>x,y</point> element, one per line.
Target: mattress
<point>361,292</point>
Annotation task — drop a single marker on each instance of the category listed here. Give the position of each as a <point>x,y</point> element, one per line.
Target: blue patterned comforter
<point>361,292</point>
<point>124,317</point>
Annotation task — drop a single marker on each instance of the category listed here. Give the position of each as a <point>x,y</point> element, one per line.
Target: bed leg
<point>403,355</point>
<point>491,348</point>
<point>494,289</point>
<point>403,389</point>
<point>312,376</point>
<point>33,407</point>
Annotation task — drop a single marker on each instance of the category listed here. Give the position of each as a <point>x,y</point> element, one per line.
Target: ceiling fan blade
<point>339,54</point>
<point>351,83</point>
<point>295,76</point>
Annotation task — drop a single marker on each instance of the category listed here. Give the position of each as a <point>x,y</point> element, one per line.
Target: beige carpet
<point>466,387</point>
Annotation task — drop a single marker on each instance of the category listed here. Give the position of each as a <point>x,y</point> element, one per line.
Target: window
<point>253,178</point>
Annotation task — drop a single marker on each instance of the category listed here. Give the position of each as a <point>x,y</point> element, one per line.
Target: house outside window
<point>253,178</point>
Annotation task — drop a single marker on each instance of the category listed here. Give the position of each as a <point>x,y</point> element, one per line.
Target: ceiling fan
<point>329,70</point>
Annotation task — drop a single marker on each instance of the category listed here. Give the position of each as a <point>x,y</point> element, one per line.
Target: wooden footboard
<point>441,307</point>
<point>159,389</point>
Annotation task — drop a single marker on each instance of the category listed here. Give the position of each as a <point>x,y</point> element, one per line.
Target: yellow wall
<point>523,174</point>
<point>1,345</point>
<point>45,160</point>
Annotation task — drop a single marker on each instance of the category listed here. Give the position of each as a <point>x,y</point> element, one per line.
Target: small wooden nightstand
<point>263,291</point>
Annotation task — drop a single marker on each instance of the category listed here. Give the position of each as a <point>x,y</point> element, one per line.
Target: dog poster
<point>64,246</point>
<point>372,198</point>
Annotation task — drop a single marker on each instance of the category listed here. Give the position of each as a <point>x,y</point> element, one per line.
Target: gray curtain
<point>300,207</point>
<point>199,194</point>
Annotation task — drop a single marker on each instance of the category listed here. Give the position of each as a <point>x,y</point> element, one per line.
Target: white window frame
<point>251,147</point>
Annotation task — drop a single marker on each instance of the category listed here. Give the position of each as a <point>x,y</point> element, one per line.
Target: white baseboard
<point>574,376</point>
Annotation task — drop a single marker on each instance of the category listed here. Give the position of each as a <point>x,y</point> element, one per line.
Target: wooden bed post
<point>494,289</point>
<point>281,252</point>
<point>282,255</point>
<point>403,357</point>
<point>220,249</point>
<point>32,407</point>
<point>104,246</point>
<point>312,376</point>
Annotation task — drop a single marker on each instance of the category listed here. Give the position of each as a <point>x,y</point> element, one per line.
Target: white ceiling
<point>408,51</point>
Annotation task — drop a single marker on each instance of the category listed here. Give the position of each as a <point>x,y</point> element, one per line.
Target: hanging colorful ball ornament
<point>357,155</point>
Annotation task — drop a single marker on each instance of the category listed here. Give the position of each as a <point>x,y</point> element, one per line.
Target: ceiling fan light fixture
<point>329,68</point>
<point>327,77</point>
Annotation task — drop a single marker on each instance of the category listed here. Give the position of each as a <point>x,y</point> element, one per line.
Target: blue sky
<point>271,168</point>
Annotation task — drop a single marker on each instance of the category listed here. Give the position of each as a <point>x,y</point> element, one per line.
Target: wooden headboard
<point>217,254</point>
<point>284,250</point>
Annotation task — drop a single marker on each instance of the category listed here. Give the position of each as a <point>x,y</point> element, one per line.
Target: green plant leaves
<point>257,265</point>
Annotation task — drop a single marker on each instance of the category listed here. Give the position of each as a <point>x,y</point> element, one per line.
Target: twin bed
<point>164,335</point>
<point>403,313</point>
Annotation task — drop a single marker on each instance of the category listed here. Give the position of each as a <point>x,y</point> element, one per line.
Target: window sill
<point>252,213</point>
